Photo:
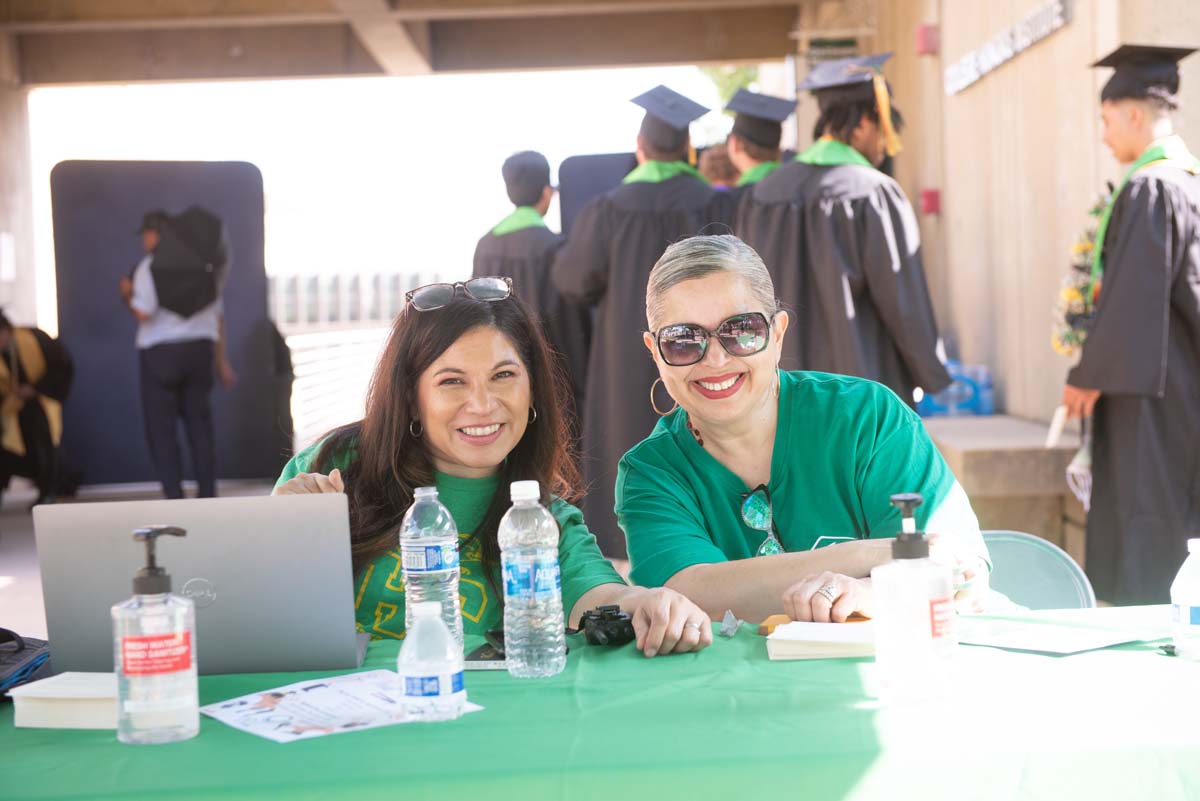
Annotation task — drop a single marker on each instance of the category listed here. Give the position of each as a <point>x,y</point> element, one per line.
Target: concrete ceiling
<point>91,41</point>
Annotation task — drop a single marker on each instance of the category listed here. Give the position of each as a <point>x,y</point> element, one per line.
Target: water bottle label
<point>1188,615</point>
<point>531,579</point>
<point>418,558</point>
<point>156,654</point>
<point>941,617</point>
<point>433,686</point>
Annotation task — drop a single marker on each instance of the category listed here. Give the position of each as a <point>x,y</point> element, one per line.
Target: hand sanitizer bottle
<point>915,635</point>
<point>154,655</point>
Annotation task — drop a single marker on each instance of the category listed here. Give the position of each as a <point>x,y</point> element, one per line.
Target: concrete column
<point>17,294</point>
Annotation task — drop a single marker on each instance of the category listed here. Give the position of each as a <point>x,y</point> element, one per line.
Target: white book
<point>67,701</point>
<point>797,640</point>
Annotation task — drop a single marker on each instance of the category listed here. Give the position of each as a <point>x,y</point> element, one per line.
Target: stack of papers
<point>67,701</point>
<point>798,640</point>
<point>1065,631</point>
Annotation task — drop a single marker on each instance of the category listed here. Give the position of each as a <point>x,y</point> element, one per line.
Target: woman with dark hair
<point>466,398</point>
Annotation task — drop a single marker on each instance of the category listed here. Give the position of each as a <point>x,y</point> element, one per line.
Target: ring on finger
<point>829,591</point>
<point>695,626</point>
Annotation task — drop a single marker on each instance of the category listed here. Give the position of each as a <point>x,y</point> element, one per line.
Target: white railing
<point>333,368</point>
<point>306,302</point>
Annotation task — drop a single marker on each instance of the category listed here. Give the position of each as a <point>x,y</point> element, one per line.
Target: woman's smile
<point>481,435</point>
<point>721,386</point>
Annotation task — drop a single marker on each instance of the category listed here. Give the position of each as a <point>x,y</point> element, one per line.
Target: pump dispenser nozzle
<point>910,543</point>
<point>152,579</point>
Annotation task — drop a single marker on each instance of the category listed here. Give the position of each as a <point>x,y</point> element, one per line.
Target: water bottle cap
<point>427,609</point>
<point>425,492</point>
<point>1194,545</point>
<point>526,491</point>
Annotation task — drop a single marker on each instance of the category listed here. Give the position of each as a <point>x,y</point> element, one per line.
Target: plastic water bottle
<point>429,558</point>
<point>915,636</point>
<point>981,376</point>
<point>1185,605</point>
<point>430,666</point>
<point>535,642</point>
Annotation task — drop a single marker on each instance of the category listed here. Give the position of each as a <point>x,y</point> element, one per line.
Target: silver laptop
<point>270,576</point>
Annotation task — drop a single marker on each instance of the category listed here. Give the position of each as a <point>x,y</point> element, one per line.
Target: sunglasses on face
<point>435,296</point>
<point>686,343</point>
<point>756,513</point>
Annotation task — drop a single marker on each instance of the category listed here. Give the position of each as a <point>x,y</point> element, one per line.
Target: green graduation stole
<point>655,172</point>
<point>830,152</point>
<point>1169,149</point>
<point>757,173</point>
<point>524,217</point>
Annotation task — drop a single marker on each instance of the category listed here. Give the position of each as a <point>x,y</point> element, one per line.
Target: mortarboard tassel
<point>883,101</point>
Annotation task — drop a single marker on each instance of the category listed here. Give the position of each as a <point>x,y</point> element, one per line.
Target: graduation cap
<point>854,80</point>
<point>526,175</point>
<point>668,115</point>
<point>1144,71</point>
<point>760,117</point>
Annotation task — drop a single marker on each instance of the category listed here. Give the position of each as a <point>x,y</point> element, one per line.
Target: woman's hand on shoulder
<point>666,622</point>
<point>312,483</point>
<point>828,598</point>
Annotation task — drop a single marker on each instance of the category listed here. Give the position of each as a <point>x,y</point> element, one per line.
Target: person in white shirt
<point>177,358</point>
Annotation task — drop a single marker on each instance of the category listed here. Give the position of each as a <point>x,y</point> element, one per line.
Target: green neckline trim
<point>479,486</point>
<point>757,173</point>
<point>830,152</point>
<point>655,172</point>
<point>1170,149</point>
<point>523,217</point>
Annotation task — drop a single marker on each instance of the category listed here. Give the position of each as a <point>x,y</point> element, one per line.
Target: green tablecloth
<point>724,724</point>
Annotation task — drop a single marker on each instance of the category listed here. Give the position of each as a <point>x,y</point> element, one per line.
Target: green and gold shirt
<point>379,587</point>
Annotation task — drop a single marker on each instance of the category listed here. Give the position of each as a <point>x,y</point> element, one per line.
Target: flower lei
<point>1075,304</point>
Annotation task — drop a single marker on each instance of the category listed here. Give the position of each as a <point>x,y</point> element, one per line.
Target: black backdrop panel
<point>581,178</point>
<point>98,206</point>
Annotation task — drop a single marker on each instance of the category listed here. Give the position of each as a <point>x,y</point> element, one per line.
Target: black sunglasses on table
<point>435,296</point>
<point>741,335</point>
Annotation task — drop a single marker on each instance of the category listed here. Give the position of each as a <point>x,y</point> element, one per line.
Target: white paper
<point>1057,632</point>
<point>318,707</point>
<point>70,685</point>
<point>848,633</point>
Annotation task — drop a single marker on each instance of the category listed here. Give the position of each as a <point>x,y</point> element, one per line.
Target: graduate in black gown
<point>606,261</point>
<point>1139,374</point>
<point>753,144</point>
<point>842,244</point>
<point>35,376</point>
<point>522,248</point>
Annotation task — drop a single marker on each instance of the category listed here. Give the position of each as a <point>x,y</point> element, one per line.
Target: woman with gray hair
<point>764,491</point>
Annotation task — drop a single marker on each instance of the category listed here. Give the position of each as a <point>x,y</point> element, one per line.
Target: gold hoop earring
<point>778,380</point>
<point>415,428</point>
<point>532,415</point>
<point>654,405</point>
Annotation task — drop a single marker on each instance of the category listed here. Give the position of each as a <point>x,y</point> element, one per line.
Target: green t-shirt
<point>379,587</point>
<point>843,446</point>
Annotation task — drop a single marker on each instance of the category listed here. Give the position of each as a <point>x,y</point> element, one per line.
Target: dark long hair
<point>841,111</point>
<point>391,463</point>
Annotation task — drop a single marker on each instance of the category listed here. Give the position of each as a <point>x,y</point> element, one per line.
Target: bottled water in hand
<point>429,558</point>
<point>430,667</point>
<point>534,629</point>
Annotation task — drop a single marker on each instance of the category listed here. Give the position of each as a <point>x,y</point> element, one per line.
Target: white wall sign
<point>1007,44</point>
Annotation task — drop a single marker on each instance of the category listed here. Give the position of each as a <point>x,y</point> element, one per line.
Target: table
<point>1122,723</point>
